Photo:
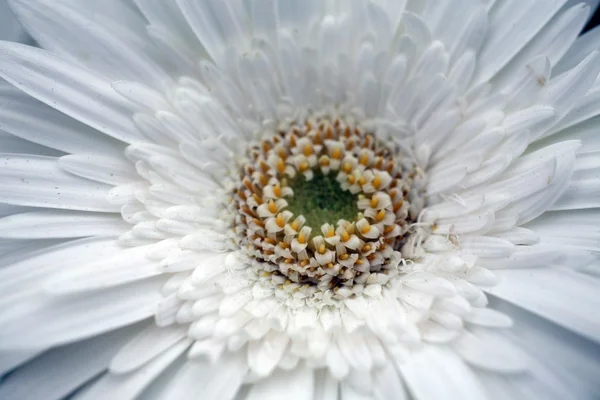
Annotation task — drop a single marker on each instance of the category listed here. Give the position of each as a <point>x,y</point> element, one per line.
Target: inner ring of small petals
<point>284,245</point>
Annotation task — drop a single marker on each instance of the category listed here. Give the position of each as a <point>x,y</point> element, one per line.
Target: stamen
<point>280,221</point>
<point>337,180</point>
<point>272,207</point>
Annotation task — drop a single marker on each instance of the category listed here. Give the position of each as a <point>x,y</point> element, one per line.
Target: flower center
<point>321,200</point>
<point>324,202</point>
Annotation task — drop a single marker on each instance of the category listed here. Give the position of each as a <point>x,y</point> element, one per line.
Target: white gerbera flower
<point>266,199</point>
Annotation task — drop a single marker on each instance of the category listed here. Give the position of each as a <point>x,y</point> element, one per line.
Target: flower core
<point>321,200</point>
<point>324,201</point>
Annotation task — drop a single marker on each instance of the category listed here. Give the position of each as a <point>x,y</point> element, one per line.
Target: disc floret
<point>325,203</point>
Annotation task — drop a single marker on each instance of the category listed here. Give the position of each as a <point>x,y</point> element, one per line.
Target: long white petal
<point>447,376</point>
<point>61,224</point>
<point>565,297</point>
<point>38,181</point>
<point>60,371</point>
<point>74,90</point>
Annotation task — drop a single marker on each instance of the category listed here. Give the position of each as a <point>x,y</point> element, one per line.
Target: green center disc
<point>321,200</point>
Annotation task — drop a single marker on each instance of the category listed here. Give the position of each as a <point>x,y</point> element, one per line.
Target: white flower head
<point>252,199</point>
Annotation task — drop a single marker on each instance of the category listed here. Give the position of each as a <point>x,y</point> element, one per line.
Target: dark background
<point>595,21</point>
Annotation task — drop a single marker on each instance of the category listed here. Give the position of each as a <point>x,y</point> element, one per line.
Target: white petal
<point>25,275</point>
<point>447,377</point>
<point>61,224</point>
<point>10,360</point>
<point>388,384</point>
<point>505,40</point>
<point>580,49</point>
<point>553,40</point>
<point>38,181</point>
<point>146,345</point>
<point>62,320</point>
<point>75,91</point>
<point>110,170</point>
<point>297,384</point>
<point>125,266</point>
<point>73,33</point>
<point>264,355</point>
<point>565,297</point>
<point>29,119</point>
<point>326,387</point>
<point>61,370</point>
<point>491,353</point>
<point>129,386</point>
<point>574,360</point>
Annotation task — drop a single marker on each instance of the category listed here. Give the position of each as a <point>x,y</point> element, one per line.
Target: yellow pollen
<point>249,185</point>
<point>324,161</point>
<point>366,247</point>
<point>362,180</point>
<point>248,211</point>
<point>398,205</point>
<point>380,215</point>
<point>330,265</point>
<point>374,202</point>
<point>264,166</point>
<point>277,190</point>
<point>303,166</point>
<point>263,180</point>
<point>301,238</point>
<point>295,225</point>
<point>351,179</point>
<point>318,139</point>
<point>364,159</point>
<point>242,195</point>
<point>336,154</point>
<point>257,198</point>
<point>280,165</point>
<point>345,236</point>
<point>344,257</point>
<point>322,249</point>
<point>279,220</point>
<point>388,229</point>
<point>307,150</point>
<point>329,133</point>
<point>330,232</point>
<point>365,229</point>
<point>376,182</point>
<point>359,261</point>
<point>347,167</point>
<point>303,263</point>
<point>272,207</point>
